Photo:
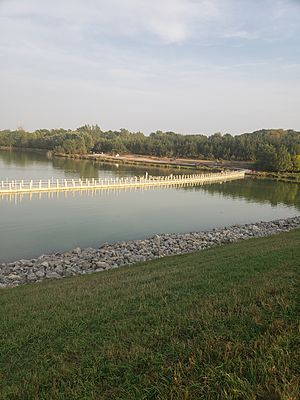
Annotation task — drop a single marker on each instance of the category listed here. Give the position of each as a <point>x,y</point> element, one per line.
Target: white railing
<point>53,184</point>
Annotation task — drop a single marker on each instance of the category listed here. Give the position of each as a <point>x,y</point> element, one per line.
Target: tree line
<point>271,149</point>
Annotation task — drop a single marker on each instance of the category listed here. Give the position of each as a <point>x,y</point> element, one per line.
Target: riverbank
<point>162,162</point>
<point>291,177</point>
<point>216,324</point>
<point>172,163</point>
<point>188,164</point>
<point>110,256</point>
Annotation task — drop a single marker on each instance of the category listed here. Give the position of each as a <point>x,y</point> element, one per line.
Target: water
<point>40,224</point>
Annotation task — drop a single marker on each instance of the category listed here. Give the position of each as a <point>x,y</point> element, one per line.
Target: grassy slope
<point>220,324</point>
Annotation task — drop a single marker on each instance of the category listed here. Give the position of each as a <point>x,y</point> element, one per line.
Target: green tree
<point>283,160</point>
<point>296,162</point>
<point>267,158</point>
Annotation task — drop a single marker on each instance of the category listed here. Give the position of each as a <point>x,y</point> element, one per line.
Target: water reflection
<point>32,224</point>
<point>251,190</point>
<point>40,164</point>
<point>43,162</point>
<point>257,191</point>
<point>24,158</point>
<point>18,197</point>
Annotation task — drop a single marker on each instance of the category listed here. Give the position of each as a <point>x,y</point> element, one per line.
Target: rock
<point>40,273</point>
<point>14,277</point>
<point>52,275</point>
<point>109,256</point>
<point>59,269</point>
<point>44,264</point>
<point>31,277</point>
<point>102,264</point>
<point>69,272</point>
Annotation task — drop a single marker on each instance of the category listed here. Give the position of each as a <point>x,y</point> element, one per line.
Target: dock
<point>63,185</point>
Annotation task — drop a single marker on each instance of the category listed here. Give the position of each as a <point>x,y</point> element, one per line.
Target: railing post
<point>35,185</point>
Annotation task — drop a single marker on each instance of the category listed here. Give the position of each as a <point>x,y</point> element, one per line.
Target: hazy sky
<point>184,65</point>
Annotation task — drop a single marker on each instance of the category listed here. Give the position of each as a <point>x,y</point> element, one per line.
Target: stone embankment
<point>109,256</point>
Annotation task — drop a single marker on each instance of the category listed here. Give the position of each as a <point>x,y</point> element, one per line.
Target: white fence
<point>53,185</point>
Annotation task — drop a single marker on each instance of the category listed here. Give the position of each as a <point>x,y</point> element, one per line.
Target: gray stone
<point>14,277</point>
<point>44,264</point>
<point>102,264</point>
<point>77,250</point>
<point>31,277</point>
<point>52,274</point>
<point>86,261</point>
<point>40,273</point>
<point>59,269</point>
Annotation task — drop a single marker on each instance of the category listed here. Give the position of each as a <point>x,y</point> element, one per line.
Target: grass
<point>219,324</point>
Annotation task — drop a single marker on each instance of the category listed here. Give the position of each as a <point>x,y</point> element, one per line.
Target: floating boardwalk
<point>63,185</point>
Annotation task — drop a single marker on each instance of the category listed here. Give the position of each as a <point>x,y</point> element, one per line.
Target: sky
<point>189,66</point>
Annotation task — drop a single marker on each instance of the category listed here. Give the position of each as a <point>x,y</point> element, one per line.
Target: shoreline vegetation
<point>272,150</point>
<point>172,163</point>
<point>192,164</point>
<point>217,324</point>
<point>160,162</point>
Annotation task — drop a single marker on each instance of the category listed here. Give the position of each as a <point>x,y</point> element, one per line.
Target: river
<point>31,225</point>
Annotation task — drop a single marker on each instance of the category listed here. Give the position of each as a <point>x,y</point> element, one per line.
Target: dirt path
<point>176,161</point>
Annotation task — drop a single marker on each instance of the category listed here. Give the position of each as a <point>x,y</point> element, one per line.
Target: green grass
<point>219,324</point>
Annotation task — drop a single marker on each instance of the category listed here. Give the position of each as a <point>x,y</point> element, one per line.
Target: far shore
<point>169,162</point>
<point>172,163</point>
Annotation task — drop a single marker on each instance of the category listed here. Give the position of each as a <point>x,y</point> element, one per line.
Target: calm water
<point>37,224</point>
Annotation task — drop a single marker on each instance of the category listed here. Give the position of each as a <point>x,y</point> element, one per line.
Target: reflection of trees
<point>81,168</point>
<point>23,158</point>
<point>261,191</point>
<point>90,169</point>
